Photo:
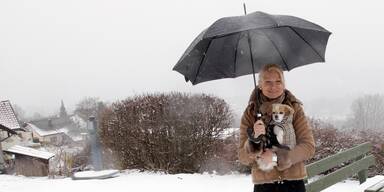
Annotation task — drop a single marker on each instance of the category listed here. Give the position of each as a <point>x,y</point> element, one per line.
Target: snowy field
<point>149,182</point>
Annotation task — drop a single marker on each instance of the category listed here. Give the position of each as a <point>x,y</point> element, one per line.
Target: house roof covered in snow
<point>42,132</point>
<point>8,117</point>
<point>54,123</point>
<point>17,149</point>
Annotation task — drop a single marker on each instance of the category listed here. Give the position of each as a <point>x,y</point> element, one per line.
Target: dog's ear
<point>290,110</point>
<point>280,108</point>
<point>276,107</point>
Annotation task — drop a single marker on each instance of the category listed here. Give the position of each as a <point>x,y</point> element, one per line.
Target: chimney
<point>50,125</point>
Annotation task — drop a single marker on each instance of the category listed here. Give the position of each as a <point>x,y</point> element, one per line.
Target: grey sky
<point>52,50</point>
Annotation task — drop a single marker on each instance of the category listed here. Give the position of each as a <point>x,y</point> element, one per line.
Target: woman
<point>289,173</point>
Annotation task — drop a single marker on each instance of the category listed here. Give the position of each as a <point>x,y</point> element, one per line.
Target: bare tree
<point>367,112</point>
<point>89,106</point>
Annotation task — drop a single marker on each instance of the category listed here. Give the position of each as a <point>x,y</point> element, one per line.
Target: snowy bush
<point>169,132</point>
<point>330,140</point>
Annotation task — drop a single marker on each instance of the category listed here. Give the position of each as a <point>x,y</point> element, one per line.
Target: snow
<point>43,133</point>
<point>228,132</point>
<point>95,174</point>
<point>148,181</point>
<point>30,152</point>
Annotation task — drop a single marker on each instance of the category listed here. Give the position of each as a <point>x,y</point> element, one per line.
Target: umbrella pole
<point>256,111</point>
<point>254,76</point>
<point>250,53</point>
<point>250,50</point>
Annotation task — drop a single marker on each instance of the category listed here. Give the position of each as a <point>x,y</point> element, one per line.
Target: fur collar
<point>258,103</point>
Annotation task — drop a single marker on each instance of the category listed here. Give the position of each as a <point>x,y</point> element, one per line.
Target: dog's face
<point>280,111</point>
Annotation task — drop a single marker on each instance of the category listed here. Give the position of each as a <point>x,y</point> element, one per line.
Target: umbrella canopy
<point>241,45</point>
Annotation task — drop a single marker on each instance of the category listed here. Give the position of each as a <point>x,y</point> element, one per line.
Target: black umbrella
<point>223,49</point>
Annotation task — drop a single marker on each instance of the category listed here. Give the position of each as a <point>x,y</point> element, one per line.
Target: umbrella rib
<point>201,62</point>
<point>234,63</point>
<point>301,37</point>
<point>274,45</point>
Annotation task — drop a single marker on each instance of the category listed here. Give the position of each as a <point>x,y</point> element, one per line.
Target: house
<point>8,118</point>
<point>29,161</point>
<point>54,136</point>
<point>9,125</point>
<point>52,128</point>
<point>5,133</point>
<point>58,129</point>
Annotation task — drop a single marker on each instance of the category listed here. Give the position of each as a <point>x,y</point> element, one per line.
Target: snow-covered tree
<point>367,112</point>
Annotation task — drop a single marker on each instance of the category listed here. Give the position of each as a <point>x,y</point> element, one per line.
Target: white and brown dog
<point>279,134</point>
<point>282,134</point>
<point>282,116</point>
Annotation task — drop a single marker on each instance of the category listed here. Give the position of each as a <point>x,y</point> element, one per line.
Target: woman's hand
<point>266,156</point>
<point>283,159</point>
<point>258,128</point>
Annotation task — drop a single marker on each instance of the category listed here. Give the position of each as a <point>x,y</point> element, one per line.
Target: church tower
<point>63,111</point>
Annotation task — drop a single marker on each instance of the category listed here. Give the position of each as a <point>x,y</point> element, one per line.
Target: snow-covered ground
<point>148,182</point>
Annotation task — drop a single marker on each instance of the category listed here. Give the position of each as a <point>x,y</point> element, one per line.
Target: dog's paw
<point>266,167</point>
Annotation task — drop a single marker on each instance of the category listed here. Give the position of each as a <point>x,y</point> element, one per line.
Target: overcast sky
<point>52,50</point>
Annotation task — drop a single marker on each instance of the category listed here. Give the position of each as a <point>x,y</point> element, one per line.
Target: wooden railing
<point>361,160</point>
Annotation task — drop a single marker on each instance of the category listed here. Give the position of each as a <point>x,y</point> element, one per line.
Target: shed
<point>29,161</point>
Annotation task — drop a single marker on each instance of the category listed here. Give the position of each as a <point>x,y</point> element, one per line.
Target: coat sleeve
<point>305,144</point>
<point>244,152</point>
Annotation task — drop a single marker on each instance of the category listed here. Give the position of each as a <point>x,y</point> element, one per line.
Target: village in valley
<point>191,96</point>
<point>45,146</point>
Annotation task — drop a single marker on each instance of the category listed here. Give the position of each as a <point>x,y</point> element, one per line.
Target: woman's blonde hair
<point>271,68</point>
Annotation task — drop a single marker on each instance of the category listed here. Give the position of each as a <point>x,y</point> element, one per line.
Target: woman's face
<point>272,85</point>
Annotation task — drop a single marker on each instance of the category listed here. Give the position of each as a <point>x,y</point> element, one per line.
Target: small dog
<point>279,134</point>
<point>282,116</point>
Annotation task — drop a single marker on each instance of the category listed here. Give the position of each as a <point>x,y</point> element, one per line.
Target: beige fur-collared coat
<point>304,149</point>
